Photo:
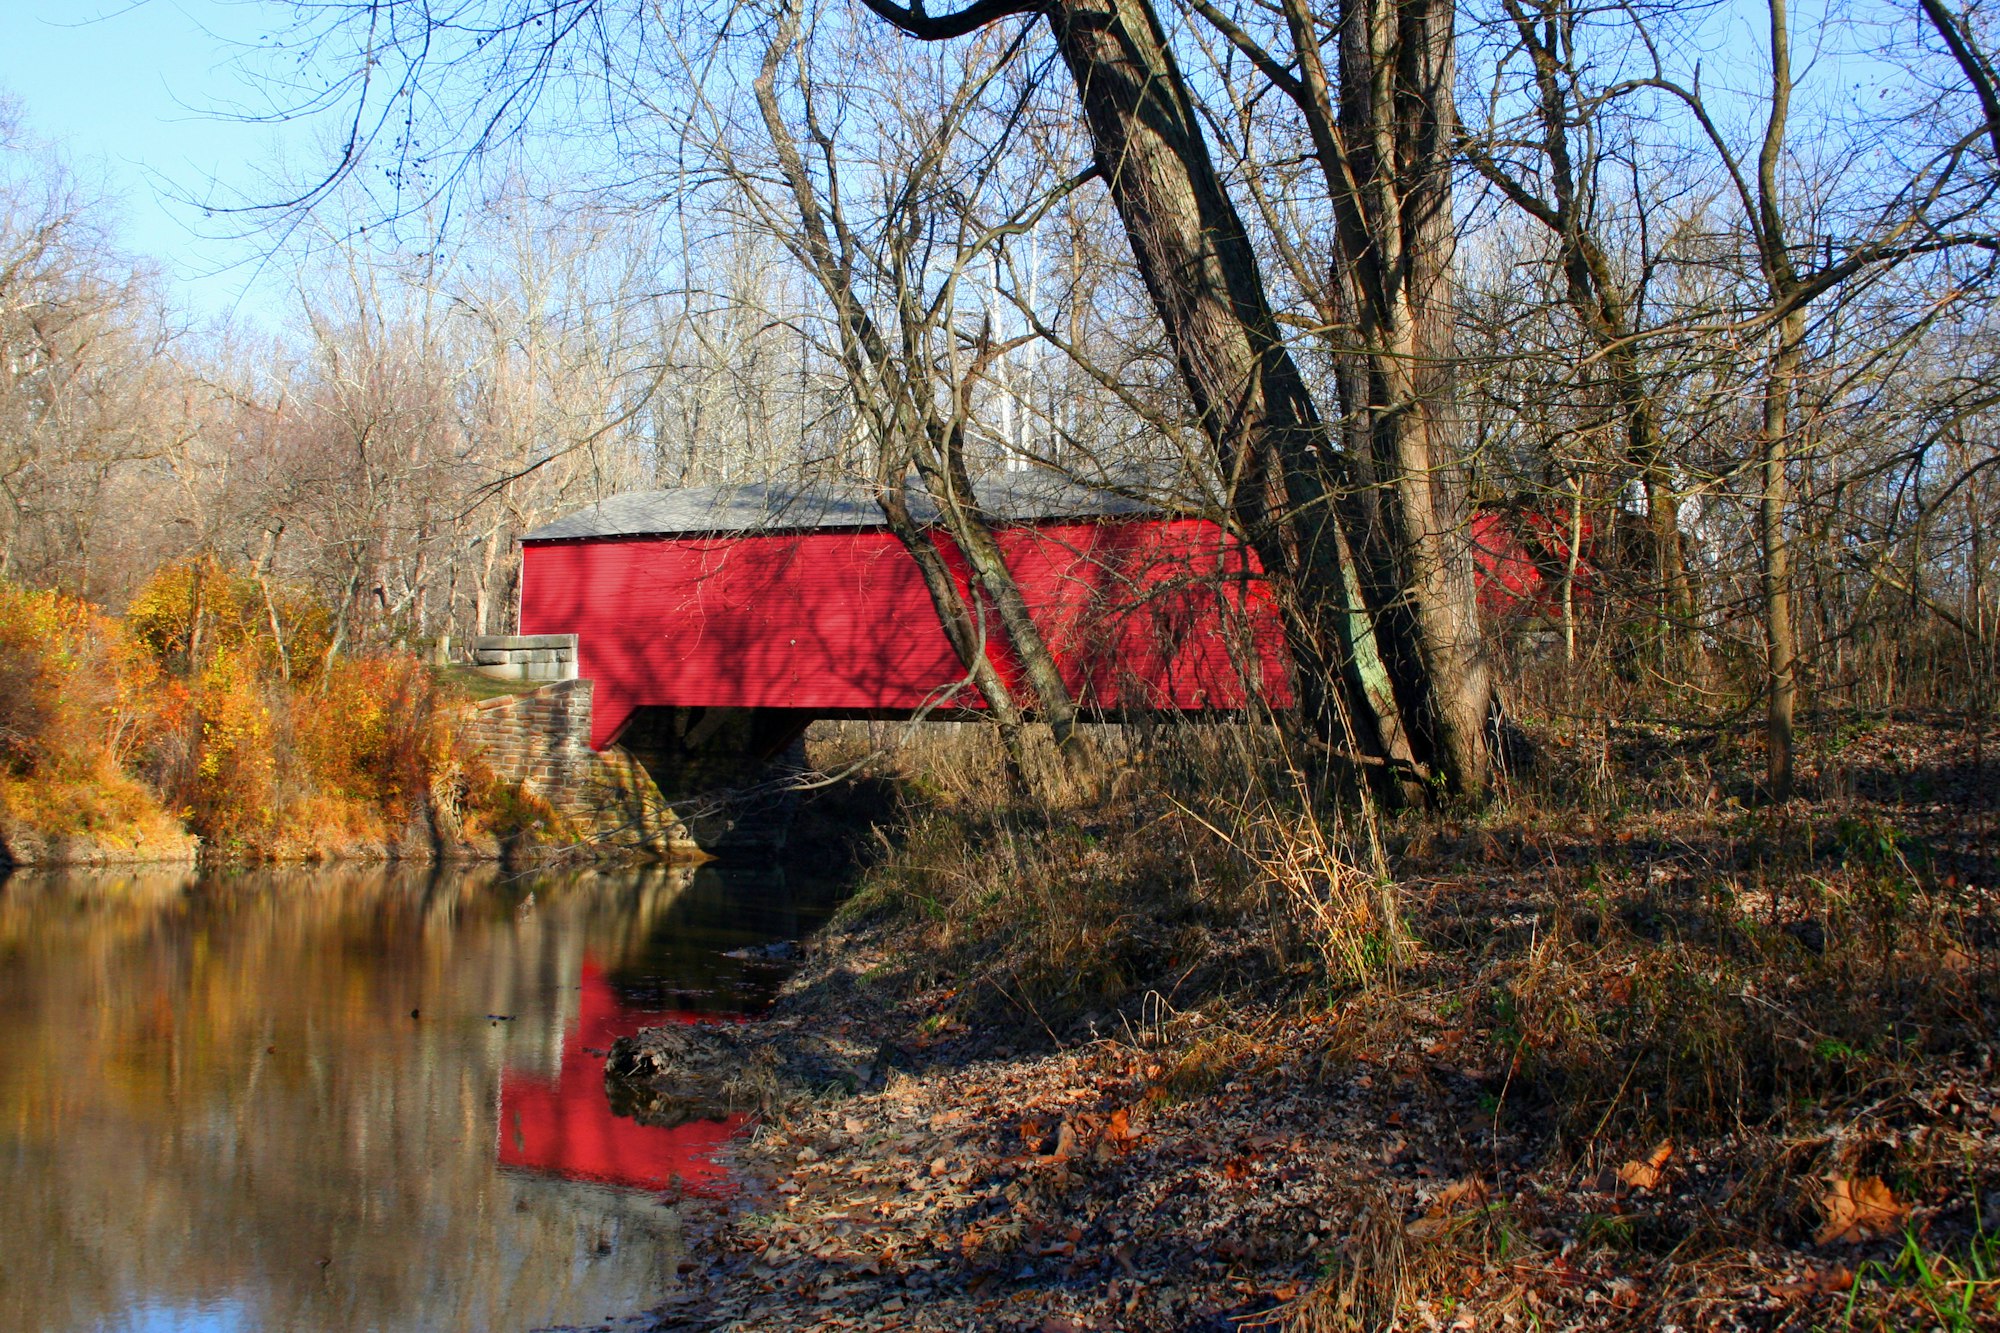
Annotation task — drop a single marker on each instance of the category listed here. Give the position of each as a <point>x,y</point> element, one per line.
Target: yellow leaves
<point>60,677</point>
<point>1858,1210</point>
<point>197,607</point>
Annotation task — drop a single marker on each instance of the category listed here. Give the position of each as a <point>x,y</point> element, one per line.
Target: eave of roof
<point>778,506</point>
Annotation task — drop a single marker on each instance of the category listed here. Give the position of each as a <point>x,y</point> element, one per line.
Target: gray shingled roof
<point>781,506</point>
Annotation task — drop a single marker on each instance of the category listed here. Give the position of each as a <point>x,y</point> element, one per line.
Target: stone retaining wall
<point>540,739</point>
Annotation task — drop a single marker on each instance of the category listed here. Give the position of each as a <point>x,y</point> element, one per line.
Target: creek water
<point>345,1099</point>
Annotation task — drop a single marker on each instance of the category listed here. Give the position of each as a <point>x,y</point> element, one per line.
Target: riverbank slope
<point>1632,1056</point>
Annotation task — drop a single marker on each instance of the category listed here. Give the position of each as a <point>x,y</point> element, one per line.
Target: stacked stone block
<point>525,656</point>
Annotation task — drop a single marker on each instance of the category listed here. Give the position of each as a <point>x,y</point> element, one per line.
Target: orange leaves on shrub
<point>69,684</point>
<point>72,704</point>
<point>190,690</point>
<point>373,733</point>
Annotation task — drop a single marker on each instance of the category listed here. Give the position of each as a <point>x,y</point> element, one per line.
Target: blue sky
<point>133,91</point>
<point>125,91</point>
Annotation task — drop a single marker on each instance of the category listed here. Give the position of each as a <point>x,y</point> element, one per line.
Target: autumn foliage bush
<point>216,702</point>
<point>75,703</point>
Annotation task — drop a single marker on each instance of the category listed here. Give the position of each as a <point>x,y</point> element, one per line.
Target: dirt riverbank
<point>1707,1068</point>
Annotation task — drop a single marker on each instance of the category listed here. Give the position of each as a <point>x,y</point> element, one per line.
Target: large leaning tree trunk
<point>1372,566</point>
<point>1273,449</point>
<point>1388,167</point>
<point>1384,134</point>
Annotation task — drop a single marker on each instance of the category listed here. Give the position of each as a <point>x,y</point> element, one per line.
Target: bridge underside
<point>690,750</point>
<point>696,751</point>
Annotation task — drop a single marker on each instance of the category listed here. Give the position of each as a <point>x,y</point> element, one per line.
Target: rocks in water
<point>671,1075</point>
<point>780,951</point>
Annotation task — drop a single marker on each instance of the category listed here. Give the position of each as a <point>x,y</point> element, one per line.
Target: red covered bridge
<point>753,609</point>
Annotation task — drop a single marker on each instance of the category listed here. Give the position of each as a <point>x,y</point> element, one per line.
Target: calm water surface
<point>218,1111</point>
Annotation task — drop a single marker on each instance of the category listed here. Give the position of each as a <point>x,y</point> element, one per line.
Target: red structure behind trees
<point>821,612</point>
<point>1142,615</point>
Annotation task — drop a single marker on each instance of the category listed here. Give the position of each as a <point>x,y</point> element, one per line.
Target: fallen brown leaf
<point>1471,1192</point>
<point>1066,1144</point>
<point>1858,1210</point>
<point>1467,1193</point>
<point>1820,1282</point>
<point>1646,1175</point>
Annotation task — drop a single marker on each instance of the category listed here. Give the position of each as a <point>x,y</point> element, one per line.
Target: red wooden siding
<point>1520,554</point>
<point>1141,614</point>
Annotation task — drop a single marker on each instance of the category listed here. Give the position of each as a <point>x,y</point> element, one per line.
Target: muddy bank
<point>22,847</point>
<point>163,842</point>
<point>25,849</point>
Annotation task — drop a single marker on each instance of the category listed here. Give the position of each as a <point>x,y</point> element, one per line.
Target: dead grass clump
<point>1057,916</point>
<point>1314,891</point>
<point>1186,871</point>
<point>1677,1039</point>
<point>1209,1057</point>
<point>1367,1282</point>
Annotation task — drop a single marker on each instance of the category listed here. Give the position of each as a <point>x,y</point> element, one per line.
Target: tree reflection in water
<point>217,1111</point>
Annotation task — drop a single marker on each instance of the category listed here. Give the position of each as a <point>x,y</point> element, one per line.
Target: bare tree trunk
<point>952,487</point>
<point>1273,450</point>
<point>1388,164</point>
<point>1545,31</point>
<point>1782,279</point>
<point>895,397</point>
<point>266,552</point>
<point>482,593</point>
<point>1780,647</point>
<point>1569,568</point>
<point>1394,497</point>
<point>963,626</point>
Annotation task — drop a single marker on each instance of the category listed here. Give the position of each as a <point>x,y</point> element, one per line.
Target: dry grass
<point>1145,861</point>
<point>1313,891</point>
<point>1623,971</point>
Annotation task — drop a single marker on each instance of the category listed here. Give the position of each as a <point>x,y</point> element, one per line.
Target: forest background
<point>491,317</point>
<point>1685,976</point>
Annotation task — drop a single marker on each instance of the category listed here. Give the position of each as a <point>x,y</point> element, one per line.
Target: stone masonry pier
<point>613,801</point>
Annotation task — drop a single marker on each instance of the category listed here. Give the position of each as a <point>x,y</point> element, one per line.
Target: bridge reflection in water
<point>565,1126</point>
<point>217,1110</point>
